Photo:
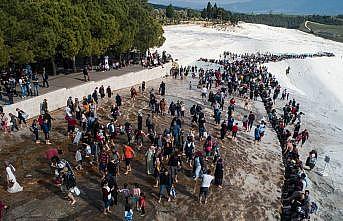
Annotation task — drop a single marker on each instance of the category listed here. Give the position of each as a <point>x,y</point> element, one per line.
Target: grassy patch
<point>333,32</point>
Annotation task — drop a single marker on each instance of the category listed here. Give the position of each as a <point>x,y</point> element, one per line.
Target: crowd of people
<point>296,200</point>
<point>167,153</point>
<point>27,82</point>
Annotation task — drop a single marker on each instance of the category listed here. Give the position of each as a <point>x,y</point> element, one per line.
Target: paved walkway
<point>72,80</point>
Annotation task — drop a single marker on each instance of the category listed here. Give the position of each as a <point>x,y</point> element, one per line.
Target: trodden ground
<point>252,180</point>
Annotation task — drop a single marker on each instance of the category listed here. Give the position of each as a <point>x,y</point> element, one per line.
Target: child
<point>234,132</point>
<point>126,193</point>
<point>135,194</point>
<point>78,158</point>
<point>173,192</point>
<point>128,214</point>
<point>141,204</point>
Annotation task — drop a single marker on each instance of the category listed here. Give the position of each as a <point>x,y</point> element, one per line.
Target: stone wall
<point>58,99</point>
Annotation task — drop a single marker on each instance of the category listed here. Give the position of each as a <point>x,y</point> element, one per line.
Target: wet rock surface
<point>252,179</point>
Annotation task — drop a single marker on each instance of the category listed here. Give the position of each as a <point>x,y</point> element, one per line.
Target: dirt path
<point>252,179</point>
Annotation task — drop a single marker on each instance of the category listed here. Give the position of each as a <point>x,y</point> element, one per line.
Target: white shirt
<point>206,180</point>
<point>9,173</point>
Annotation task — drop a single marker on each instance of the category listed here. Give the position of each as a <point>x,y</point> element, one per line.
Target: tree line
<point>34,31</point>
<point>287,21</point>
<point>215,13</point>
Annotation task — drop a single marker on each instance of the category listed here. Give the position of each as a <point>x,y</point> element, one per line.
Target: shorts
<point>107,203</point>
<point>128,161</point>
<point>234,134</point>
<point>204,190</point>
<point>71,129</point>
<point>173,171</point>
<point>102,166</point>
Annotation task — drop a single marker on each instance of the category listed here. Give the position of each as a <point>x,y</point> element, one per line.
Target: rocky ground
<point>252,180</point>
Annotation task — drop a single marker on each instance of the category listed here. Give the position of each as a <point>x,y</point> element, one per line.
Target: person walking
<point>85,74</point>
<point>165,183</point>
<point>128,155</point>
<point>219,173</point>
<point>45,77</point>
<point>12,184</point>
<point>46,131</point>
<point>205,185</point>
<point>149,156</point>
<point>35,130</point>
<point>35,83</point>
<point>106,197</point>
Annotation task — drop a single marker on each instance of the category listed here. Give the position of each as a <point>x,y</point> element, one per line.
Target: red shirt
<point>235,128</point>
<point>51,153</point>
<point>71,121</point>
<point>104,157</point>
<point>141,202</point>
<point>128,152</point>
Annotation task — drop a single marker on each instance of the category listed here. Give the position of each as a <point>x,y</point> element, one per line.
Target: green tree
<point>170,13</point>
<point>4,56</point>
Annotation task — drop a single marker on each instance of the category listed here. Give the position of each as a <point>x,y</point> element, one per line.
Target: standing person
<point>149,156</point>
<point>143,86</point>
<point>245,122</point>
<point>251,119</point>
<point>13,122</point>
<point>165,183</point>
<point>126,192</point>
<point>140,121</point>
<point>106,197</point>
<point>219,173</point>
<point>142,204</point>
<point>128,155</point>
<point>118,100</point>
<point>162,89</point>
<point>2,208</point>
<point>257,134</point>
<point>109,92</point>
<point>157,171</point>
<point>234,132</point>
<point>35,130</point>
<point>205,185</point>
<point>174,165</point>
<point>103,161</point>
<point>133,93</point>
<point>85,74</point>
<point>304,136</point>
<point>46,131</point>
<point>35,82</point>
<point>44,106</point>
<point>102,91</point>
<point>189,147</point>
<point>22,83</point>
<point>223,130</point>
<point>135,194</point>
<point>78,159</point>
<point>12,184</point>
<point>128,214</point>
<point>69,185</point>
<point>203,93</point>
<point>262,129</point>
<point>198,165</point>
<point>45,77</point>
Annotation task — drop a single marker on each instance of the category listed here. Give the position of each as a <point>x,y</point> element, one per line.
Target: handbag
<point>76,191</point>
